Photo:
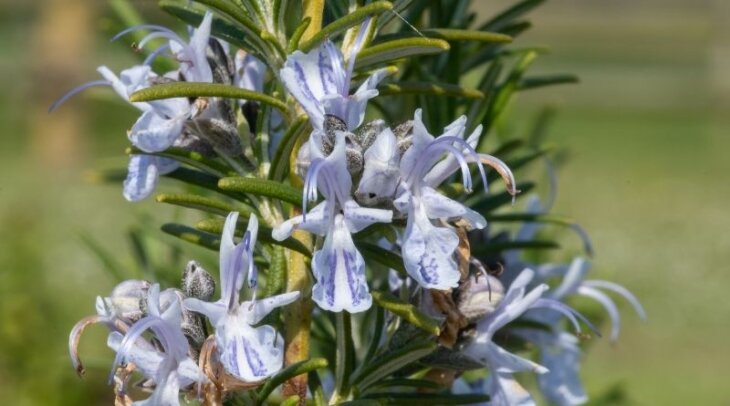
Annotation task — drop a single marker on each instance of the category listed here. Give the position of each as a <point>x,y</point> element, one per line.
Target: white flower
<point>249,353</point>
<point>427,249</point>
<point>339,268</point>
<point>172,368</point>
<point>320,82</point>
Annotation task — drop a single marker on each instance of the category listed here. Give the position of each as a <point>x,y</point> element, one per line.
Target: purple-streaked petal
<point>250,354</point>
<point>309,78</point>
<point>625,293</point>
<point>141,177</point>
<point>226,250</point>
<point>339,270</point>
<point>428,251</point>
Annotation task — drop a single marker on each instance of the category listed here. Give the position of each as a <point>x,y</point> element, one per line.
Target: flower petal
<point>428,251</point>
<point>381,173</point>
<point>142,176</point>
<point>506,391</point>
<point>153,133</point>
<point>357,218</point>
<point>262,307</point>
<point>214,311</point>
<point>250,354</point>
<point>339,270</point>
<point>439,206</point>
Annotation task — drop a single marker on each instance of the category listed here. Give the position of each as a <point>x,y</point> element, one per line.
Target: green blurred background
<point>646,130</point>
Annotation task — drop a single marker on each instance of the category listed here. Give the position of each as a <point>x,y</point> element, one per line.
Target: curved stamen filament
<point>154,54</point>
<point>153,27</point>
<point>76,90</point>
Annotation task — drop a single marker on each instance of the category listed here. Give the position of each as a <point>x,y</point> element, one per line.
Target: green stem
<point>344,359</point>
<point>313,9</point>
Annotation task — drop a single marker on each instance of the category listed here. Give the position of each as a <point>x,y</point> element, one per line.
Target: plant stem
<point>312,9</point>
<point>298,316</point>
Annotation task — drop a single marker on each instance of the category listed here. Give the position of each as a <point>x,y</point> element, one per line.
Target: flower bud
<point>127,300</point>
<point>197,282</point>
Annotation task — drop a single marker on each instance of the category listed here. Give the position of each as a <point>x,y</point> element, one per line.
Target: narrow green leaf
<point>296,36</point>
<point>508,16</point>
<point>189,234</point>
<point>399,48</point>
<point>437,89</point>
<point>382,256</point>
<point>214,226</point>
<point>289,372</point>
<point>203,203</point>
<point>280,161</point>
<point>390,362</point>
<point>262,187</point>
<point>450,34</point>
<point>433,399</point>
<point>406,311</point>
<point>498,246</point>
<point>194,15</point>
<point>344,357</point>
<point>406,383</point>
<point>350,20</point>
<point>546,80</point>
<point>198,89</point>
<point>192,158</point>
<point>139,252</point>
<point>276,275</point>
<point>201,179</point>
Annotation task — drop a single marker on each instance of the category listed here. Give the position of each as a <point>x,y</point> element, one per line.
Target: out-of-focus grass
<point>646,177</point>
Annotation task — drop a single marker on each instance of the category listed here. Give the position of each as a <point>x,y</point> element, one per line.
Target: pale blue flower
<point>428,249</point>
<point>502,387</point>
<point>320,81</point>
<point>171,368</point>
<point>339,268</point>
<point>249,353</point>
<point>381,171</point>
<point>560,353</point>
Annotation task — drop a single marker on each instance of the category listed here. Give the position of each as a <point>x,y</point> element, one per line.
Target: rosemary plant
<point>339,156</point>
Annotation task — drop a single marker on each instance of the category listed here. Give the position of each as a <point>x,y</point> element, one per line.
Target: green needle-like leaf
<point>418,399</point>
<point>437,89</point>
<point>451,34</point>
<point>192,158</point>
<point>399,48</point>
<point>214,226</point>
<point>350,20</point>
<point>280,162</point>
<point>390,362</point>
<point>198,89</point>
<point>206,204</point>
<point>546,80</point>
<point>262,187</point>
<point>406,311</point>
<point>289,372</point>
<point>189,234</point>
